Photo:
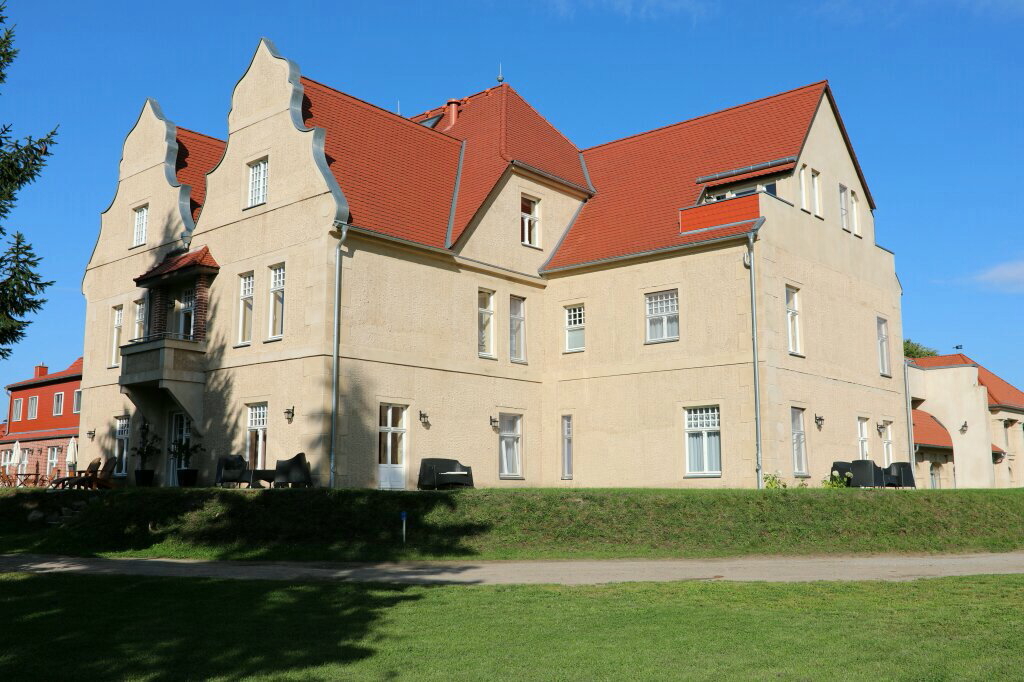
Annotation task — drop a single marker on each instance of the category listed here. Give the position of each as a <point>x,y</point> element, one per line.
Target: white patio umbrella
<point>72,459</point>
<point>17,455</point>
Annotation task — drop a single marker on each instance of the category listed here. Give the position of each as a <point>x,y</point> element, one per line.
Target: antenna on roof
<point>398,109</point>
<point>501,78</point>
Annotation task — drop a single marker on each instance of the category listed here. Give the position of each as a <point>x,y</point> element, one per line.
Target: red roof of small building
<point>73,370</point>
<point>42,434</point>
<point>928,431</point>
<point>197,155</point>
<point>173,262</point>
<point>1000,392</point>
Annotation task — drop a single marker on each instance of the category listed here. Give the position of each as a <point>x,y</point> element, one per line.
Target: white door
<point>391,447</point>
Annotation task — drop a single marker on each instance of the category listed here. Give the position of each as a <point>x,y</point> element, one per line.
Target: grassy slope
<point>504,524</point>
<point>118,627</point>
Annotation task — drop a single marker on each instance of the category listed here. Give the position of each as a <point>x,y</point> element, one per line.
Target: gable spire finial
<point>501,78</point>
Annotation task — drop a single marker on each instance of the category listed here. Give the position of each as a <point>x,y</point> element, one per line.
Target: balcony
<point>162,357</point>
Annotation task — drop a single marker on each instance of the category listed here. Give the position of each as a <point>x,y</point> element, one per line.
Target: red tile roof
<point>643,180</point>
<point>929,431</point>
<point>197,155</point>
<point>173,262</point>
<point>1000,392</point>
<point>43,434</point>
<point>397,175</point>
<point>73,370</point>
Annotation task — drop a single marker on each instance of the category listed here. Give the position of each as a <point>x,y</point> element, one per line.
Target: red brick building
<point>42,418</point>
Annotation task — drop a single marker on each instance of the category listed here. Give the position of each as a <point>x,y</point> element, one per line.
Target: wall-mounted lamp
<point>289,413</point>
<point>881,427</point>
<point>819,421</point>
<point>963,428</point>
<point>424,418</point>
<point>494,422</point>
<point>91,433</point>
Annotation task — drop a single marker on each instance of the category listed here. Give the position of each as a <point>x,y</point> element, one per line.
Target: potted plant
<point>183,452</point>
<point>148,446</point>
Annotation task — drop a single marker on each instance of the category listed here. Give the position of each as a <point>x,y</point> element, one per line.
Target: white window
<point>883,346</point>
<point>58,404</point>
<point>115,346</point>
<point>575,328</point>
<point>799,441</point>
<point>854,217</point>
<point>887,443</point>
<point>862,437</point>
<point>256,428</point>
<point>187,313</point>
<point>121,446</point>
<point>485,323</point>
<point>6,459</point>
<point>52,457</point>
<point>245,293</point>
<point>566,447</point>
<point>530,221</point>
<point>663,316</point>
<point>76,401</point>
<point>16,410</point>
<point>23,462</point>
<point>140,319</point>
<point>181,433</point>
<point>391,434</point>
<point>258,182</point>
<point>517,329</point>
<point>277,301</point>
<point>703,441</point>
<point>804,204</point>
<point>844,207</point>
<point>141,221</point>
<point>793,318</point>
<point>33,406</point>
<point>816,191</point>
<point>510,446</point>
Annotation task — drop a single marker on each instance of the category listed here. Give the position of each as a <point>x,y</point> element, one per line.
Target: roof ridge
<point>708,115</point>
<point>462,100</point>
<point>196,132</point>
<point>503,125</point>
<point>377,109</point>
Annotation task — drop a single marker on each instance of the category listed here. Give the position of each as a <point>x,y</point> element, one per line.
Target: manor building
<point>691,306</point>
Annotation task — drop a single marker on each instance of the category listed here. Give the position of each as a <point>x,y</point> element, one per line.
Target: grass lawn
<point>117,627</point>
<point>345,525</point>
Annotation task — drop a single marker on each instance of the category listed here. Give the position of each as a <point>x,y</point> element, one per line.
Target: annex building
<point>669,309</point>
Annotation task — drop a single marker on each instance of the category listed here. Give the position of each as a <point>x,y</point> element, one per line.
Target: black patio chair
<point>293,473</point>
<point>437,473</point>
<point>866,474</point>
<point>232,469</point>
<point>900,475</point>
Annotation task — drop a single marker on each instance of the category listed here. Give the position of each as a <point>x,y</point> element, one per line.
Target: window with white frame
<point>256,436</point>
<point>529,226</point>
<point>23,462</point>
<point>115,346</point>
<point>796,415</point>
<point>887,442</point>
<point>246,286</point>
<point>703,441</point>
<point>566,447</point>
<point>187,313</point>
<point>510,445</point>
<point>804,204</point>
<point>575,328</point>
<point>76,401</point>
<point>6,460</point>
<point>844,207</point>
<point>485,323</point>
<point>277,301</point>
<point>862,438</point>
<point>181,433</point>
<point>121,446</point>
<point>141,222</point>
<point>33,406</point>
<point>816,191</point>
<point>258,182</point>
<point>52,457</point>
<point>58,404</point>
<point>517,329</point>
<point>883,346</point>
<point>140,319</point>
<point>663,316</point>
<point>793,319</point>
<point>16,410</point>
<point>391,432</point>
<point>854,217</point>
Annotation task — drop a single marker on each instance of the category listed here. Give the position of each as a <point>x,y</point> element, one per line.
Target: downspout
<point>910,416</point>
<point>749,263</point>
<point>335,359</point>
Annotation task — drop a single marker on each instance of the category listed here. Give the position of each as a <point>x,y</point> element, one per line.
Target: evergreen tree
<point>913,349</point>
<point>21,161</point>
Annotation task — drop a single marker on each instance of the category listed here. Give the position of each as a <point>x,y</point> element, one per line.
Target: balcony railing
<point>162,357</point>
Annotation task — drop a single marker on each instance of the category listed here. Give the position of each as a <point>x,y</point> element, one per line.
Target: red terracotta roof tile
<point>197,155</point>
<point>29,436</point>
<point>173,262</point>
<point>929,431</point>
<point>73,370</point>
<point>782,168</point>
<point>1000,392</point>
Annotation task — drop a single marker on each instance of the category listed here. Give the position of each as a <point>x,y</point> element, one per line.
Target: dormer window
<point>732,193</point>
<point>258,182</point>
<point>530,221</point>
<point>141,222</point>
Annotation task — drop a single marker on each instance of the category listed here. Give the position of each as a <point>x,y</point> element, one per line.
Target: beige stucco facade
<point>408,324</point>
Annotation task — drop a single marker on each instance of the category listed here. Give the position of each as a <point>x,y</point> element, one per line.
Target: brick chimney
<point>40,370</point>
<point>452,110</point>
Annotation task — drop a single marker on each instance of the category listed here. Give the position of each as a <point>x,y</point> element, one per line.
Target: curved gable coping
<point>342,212</point>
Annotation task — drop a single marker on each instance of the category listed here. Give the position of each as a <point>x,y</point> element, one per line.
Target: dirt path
<point>770,569</point>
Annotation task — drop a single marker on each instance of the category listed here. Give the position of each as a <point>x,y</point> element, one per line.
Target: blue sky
<point>930,90</point>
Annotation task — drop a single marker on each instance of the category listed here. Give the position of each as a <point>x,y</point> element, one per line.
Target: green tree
<point>913,349</point>
<point>21,161</point>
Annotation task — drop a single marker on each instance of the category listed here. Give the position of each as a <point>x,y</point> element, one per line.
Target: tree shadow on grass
<point>118,627</point>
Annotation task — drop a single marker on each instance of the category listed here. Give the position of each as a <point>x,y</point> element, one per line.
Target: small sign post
<point>404,515</point>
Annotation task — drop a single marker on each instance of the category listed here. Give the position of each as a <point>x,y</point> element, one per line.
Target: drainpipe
<point>749,263</point>
<point>910,416</point>
<point>335,360</point>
